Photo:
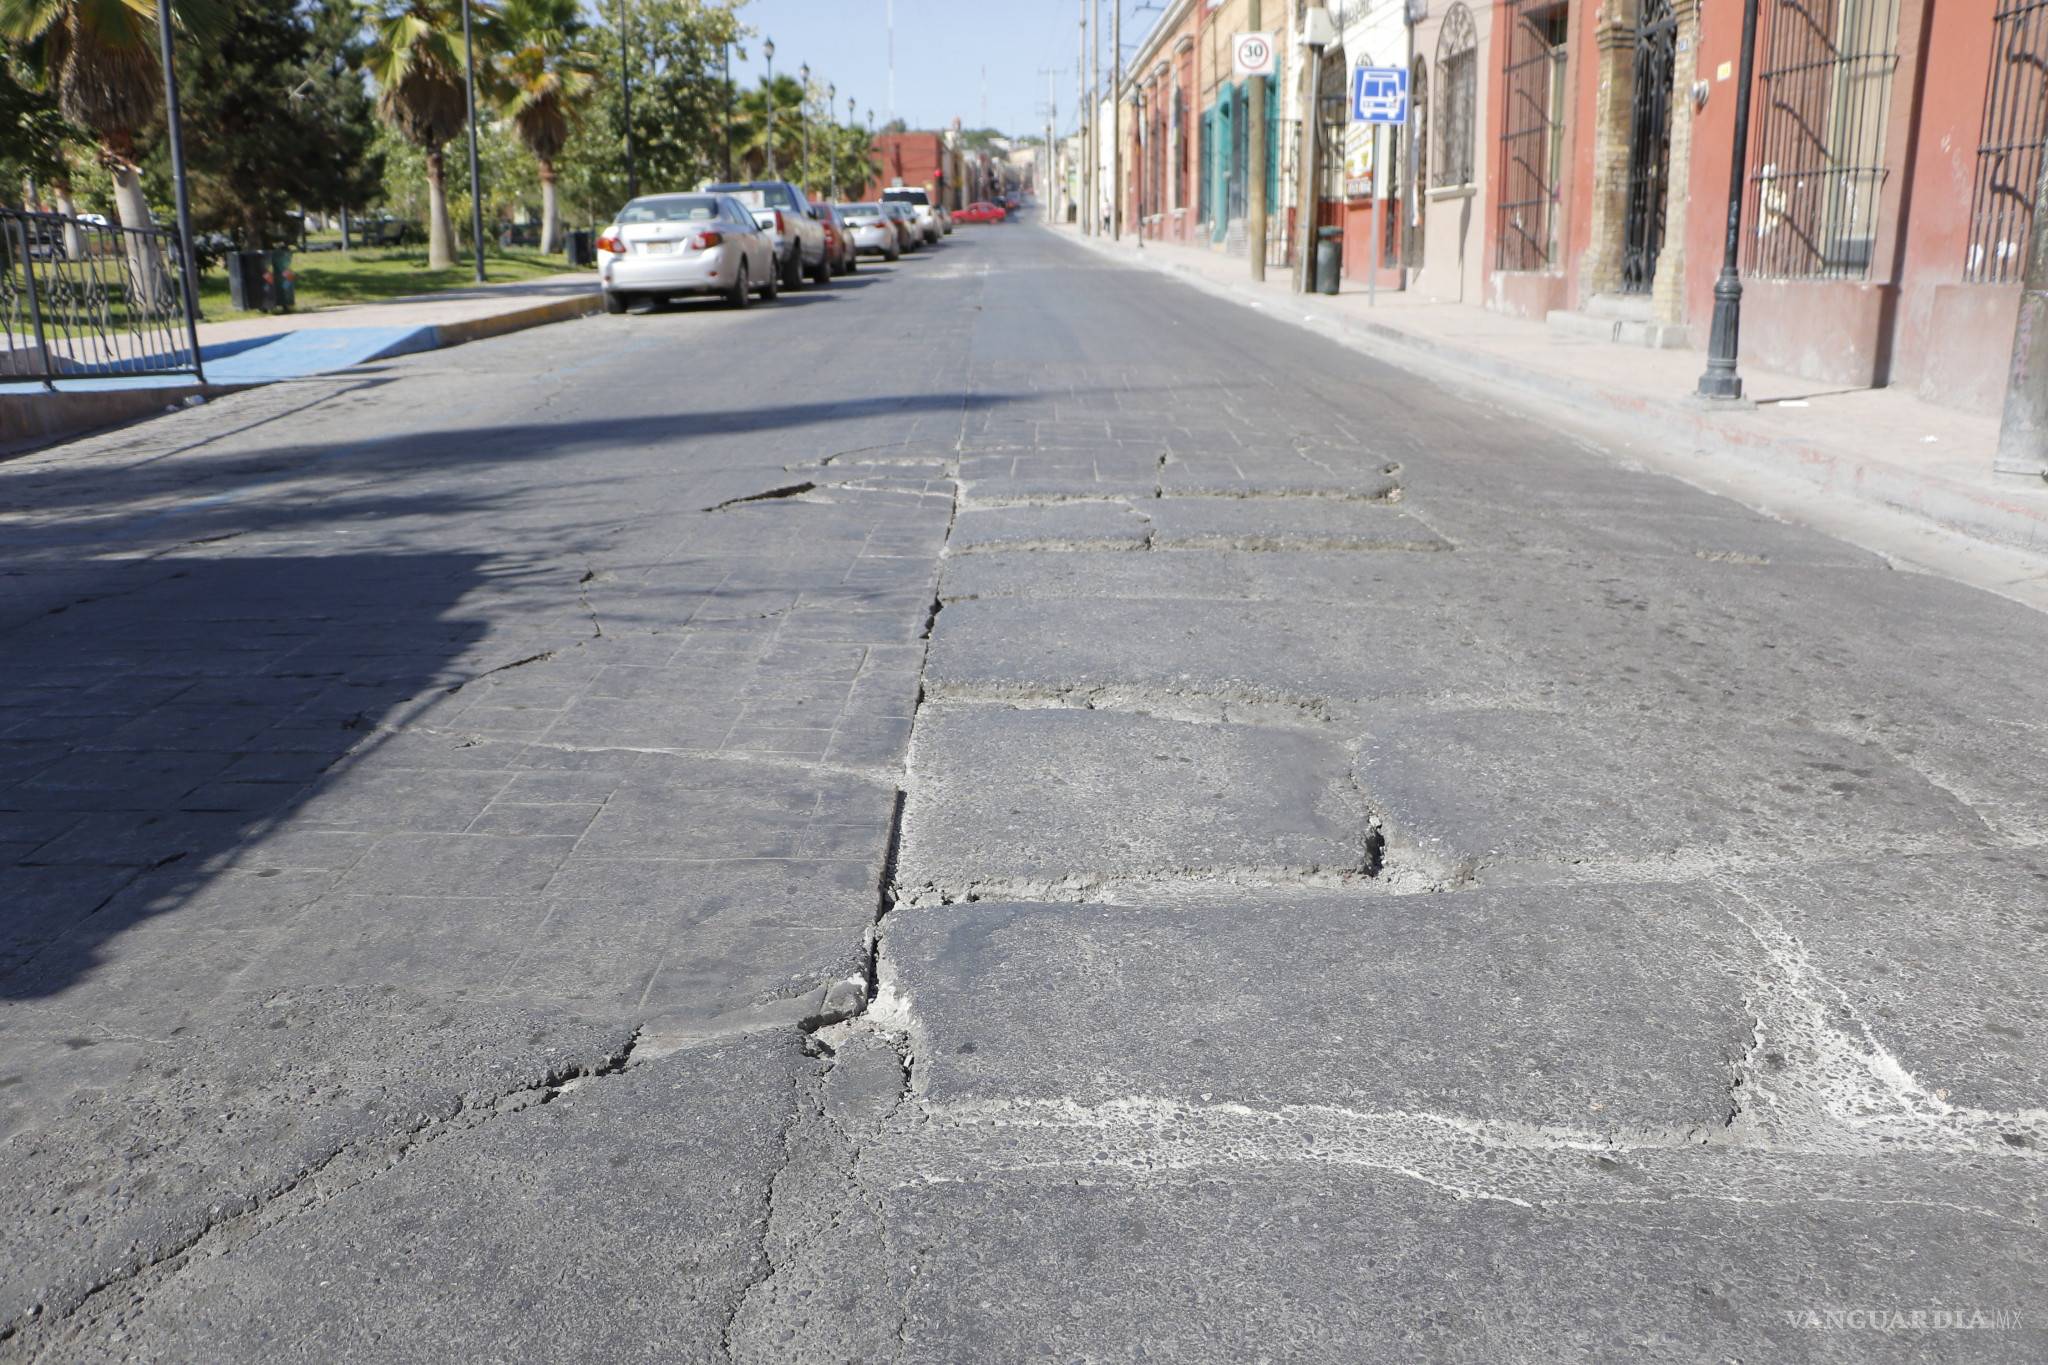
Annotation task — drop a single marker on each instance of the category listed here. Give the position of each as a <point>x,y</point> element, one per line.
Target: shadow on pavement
<point>161,719</point>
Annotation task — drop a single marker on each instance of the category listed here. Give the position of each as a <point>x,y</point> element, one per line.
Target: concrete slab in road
<point>1061,804</point>
<point>1516,795</point>
<point>1607,1009</point>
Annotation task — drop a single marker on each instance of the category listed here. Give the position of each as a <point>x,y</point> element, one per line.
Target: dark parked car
<point>838,239</point>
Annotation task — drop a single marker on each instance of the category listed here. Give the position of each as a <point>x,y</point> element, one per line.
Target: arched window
<point>1457,115</point>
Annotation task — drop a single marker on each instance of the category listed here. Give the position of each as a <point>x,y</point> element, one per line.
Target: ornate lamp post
<point>803,114</point>
<point>626,98</point>
<point>768,51</point>
<point>1720,379</point>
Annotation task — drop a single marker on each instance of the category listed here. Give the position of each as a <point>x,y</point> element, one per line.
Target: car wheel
<point>853,264</point>
<point>615,302</point>
<point>821,273</point>
<point>771,288</point>
<point>793,271</point>
<point>741,294</point>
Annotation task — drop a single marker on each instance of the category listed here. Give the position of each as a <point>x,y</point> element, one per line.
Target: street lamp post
<point>1138,192</point>
<point>727,140</point>
<point>768,51</point>
<point>188,283</point>
<point>626,98</point>
<point>803,114</point>
<point>832,98</point>
<point>476,188</point>
<point>1720,379</point>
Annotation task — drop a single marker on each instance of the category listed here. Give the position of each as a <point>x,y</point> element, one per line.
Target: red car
<point>982,212</point>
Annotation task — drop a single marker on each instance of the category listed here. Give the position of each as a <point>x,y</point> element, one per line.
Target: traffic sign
<point>1379,94</point>
<point>1253,54</point>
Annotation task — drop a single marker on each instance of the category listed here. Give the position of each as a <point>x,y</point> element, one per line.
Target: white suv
<point>920,203</point>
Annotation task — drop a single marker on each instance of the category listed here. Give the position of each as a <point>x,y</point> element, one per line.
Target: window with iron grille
<point>2009,144</point>
<point>1818,159</point>
<point>1531,134</point>
<point>1457,123</point>
<point>1180,147</point>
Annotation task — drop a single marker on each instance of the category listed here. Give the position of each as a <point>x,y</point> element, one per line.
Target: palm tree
<point>416,59</point>
<point>751,123</point>
<point>100,56</point>
<point>547,74</point>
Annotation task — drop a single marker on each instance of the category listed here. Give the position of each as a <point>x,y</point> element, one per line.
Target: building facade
<point>927,161</point>
<point>1568,161</point>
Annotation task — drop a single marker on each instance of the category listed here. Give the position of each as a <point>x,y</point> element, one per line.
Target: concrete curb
<point>2012,519</point>
<point>37,417</point>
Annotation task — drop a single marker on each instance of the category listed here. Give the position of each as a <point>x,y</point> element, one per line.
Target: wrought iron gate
<point>1649,146</point>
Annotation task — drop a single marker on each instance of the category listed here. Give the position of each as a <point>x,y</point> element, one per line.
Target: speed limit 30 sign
<point>1252,54</point>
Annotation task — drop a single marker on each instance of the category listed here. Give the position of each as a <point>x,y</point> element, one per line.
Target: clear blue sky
<point>941,48</point>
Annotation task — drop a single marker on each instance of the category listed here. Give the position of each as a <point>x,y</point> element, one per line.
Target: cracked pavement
<point>1111,830</point>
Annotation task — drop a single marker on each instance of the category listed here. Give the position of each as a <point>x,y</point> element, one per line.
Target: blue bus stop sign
<point>1379,94</point>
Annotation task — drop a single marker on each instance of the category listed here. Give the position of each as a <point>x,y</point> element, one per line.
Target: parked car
<point>981,211</point>
<point>920,205</point>
<point>909,235</point>
<point>791,224</point>
<point>872,230</point>
<point>838,239</point>
<point>663,245</point>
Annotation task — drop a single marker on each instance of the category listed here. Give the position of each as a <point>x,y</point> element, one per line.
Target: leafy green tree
<point>767,130</point>
<point>675,53</point>
<point>345,168</point>
<point>33,133</point>
<point>416,59</point>
<point>548,74</point>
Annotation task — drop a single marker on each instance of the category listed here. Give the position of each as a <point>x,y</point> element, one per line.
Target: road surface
<point>1006,809</point>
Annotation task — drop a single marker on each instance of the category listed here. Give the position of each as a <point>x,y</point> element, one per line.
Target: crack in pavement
<point>235,1222</point>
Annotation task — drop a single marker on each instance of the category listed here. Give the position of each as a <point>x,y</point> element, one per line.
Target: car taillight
<point>705,240</point>
<point>615,245</point>
<point>780,226</point>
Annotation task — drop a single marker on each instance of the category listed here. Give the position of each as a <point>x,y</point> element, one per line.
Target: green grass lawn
<point>333,279</point>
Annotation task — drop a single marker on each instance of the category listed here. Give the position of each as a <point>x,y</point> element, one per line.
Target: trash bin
<point>579,248</point>
<point>284,285</point>
<point>247,291</point>
<point>1329,259</point>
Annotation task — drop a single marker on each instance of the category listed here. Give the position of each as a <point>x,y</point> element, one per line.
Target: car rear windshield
<point>764,196</point>
<point>860,210</point>
<point>907,196</point>
<point>671,208</point>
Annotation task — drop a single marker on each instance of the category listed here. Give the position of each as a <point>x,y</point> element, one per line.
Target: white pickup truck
<point>932,219</point>
<point>790,222</point>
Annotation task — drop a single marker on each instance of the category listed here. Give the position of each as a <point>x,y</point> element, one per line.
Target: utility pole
<point>1256,208</point>
<point>1116,104</point>
<point>1094,170</point>
<point>1080,123</point>
<point>1305,211</point>
<point>2023,435</point>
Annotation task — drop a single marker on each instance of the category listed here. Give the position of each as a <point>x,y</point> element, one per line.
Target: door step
<point>1622,319</point>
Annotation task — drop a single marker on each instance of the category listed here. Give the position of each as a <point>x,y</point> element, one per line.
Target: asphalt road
<point>1006,809</point>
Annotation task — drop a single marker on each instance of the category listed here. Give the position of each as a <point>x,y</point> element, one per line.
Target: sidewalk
<point>1884,446</point>
<point>265,350</point>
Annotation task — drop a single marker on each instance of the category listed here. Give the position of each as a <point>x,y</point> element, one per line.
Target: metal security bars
<point>82,299</point>
<point>1818,156</point>
<point>1649,146</point>
<point>2009,144</point>
<point>1457,120</point>
<point>1532,135</point>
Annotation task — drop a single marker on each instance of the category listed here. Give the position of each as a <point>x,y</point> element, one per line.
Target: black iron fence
<point>83,299</point>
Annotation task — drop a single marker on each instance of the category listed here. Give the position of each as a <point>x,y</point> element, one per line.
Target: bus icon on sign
<point>1379,94</point>
<point>1252,54</point>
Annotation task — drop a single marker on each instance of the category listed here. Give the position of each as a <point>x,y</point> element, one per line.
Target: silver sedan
<point>664,245</point>
<point>873,230</point>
